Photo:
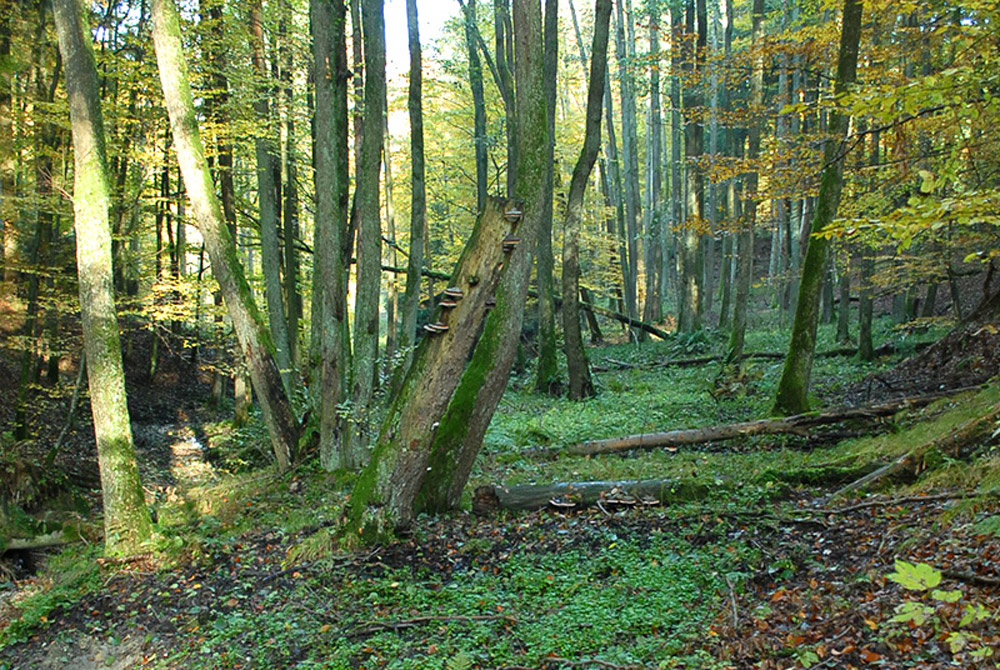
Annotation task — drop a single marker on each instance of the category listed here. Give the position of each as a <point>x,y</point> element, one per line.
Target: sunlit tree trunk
<point>250,332</point>
<point>791,397</point>
<point>691,260</point>
<point>127,523</point>
<point>676,137</point>
<point>391,291</point>
<point>503,31</point>
<point>547,373</point>
<point>369,242</point>
<point>478,96</point>
<point>580,384</point>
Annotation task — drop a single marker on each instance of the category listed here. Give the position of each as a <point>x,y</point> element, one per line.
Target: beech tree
<point>793,388</point>
<point>127,522</point>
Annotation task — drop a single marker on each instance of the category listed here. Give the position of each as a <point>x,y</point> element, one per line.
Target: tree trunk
<point>690,252</point>
<point>653,248</point>
<point>383,498</point>
<point>330,158</point>
<point>127,523</point>
<point>785,425</point>
<point>844,289</point>
<point>478,97</point>
<point>547,373</point>
<point>267,196</point>
<point>463,425</point>
<point>418,189</point>
<point>631,163</point>
<point>580,384</point>
<point>290,192</point>
<point>392,291</point>
<point>793,388</point>
<point>503,31</point>
<point>489,500</point>
<point>369,249</point>
<point>7,233</point>
<point>676,142</point>
<point>250,332</point>
<point>744,270</point>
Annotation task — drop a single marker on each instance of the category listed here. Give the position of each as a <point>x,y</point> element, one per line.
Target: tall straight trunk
<point>369,246</point>
<point>728,266</point>
<point>547,372</point>
<point>290,192</point>
<point>744,269</point>
<point>676,134</point>
<point>267,196</point>
<point>580,384</point>
<point>478,97</point>
<point>330,158</point>
<point>127,523</point>
<point>654,223</point>
<point>691,260</point>
<point>844,290</point>
<point>7,233</point>
<point>613,188</point>
<point>460,433</point>
<point>418,188</point>
<point>358,78</point>
<point>631,163</point>
<point>791,397</point>
<point>866,347</point>
<point>250,332</point>
<point>503,31</point>
<point>712,195</point>
<point>392,292</point>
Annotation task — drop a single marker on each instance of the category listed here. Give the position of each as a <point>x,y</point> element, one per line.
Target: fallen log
<point>952,443</point>
<point>490,499</point>
<point>797,424</point>
<point>54,539</point>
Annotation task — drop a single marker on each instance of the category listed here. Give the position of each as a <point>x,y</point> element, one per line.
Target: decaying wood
<point>54,539</point>
<point>953,443</point>
<point>490,499</point>
<point>798,424</point>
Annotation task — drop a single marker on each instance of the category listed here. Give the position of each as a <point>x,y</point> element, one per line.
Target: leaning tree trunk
<point>330,159</point>
<point>464,423</point>
<point>369,268</point>
<point>383,498</point>
<point>250,331</point>
<point>418,188</point>
<point>127,523</point>
<point>547,373</point>
<point>793,387</point>
<point>580,384</point>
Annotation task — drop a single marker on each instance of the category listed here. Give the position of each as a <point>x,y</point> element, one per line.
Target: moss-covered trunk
<point>580,384</point>
<point>250,331</point>
<point>383,498</point>
<point>328,22</point>
<point>127,523</point>
<point>547,371</point>
<point>791,397</point>
<point>485,379</point>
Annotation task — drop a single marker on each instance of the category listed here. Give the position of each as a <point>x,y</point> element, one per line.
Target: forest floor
<point>769,571</point>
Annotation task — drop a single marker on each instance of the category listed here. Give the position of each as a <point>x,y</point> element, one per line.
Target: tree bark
<point>418,188</point>
<point>127,520</point>
<point>791,397</point>
<point>691,264</point>
<point>478,97</point>
<point>482,384</point>
<point>369,247</point>
<point>547,372</point>
<point>489,500</point>
<point>653,248</point>
<point>383,498</point>
<point>580,384</point>
<point>797,424</point>
<point>252,335</point>
<point>330,159</point>
<point>7,233</point>
<point>267,197</point>
<point>744,257</point>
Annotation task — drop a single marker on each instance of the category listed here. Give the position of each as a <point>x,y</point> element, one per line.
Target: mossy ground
<point>245,573</point>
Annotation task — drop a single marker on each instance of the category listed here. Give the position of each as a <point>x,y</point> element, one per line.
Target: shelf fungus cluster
<point>452,295</point>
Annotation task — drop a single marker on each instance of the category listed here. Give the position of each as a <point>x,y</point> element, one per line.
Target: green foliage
<point>70,576</point>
